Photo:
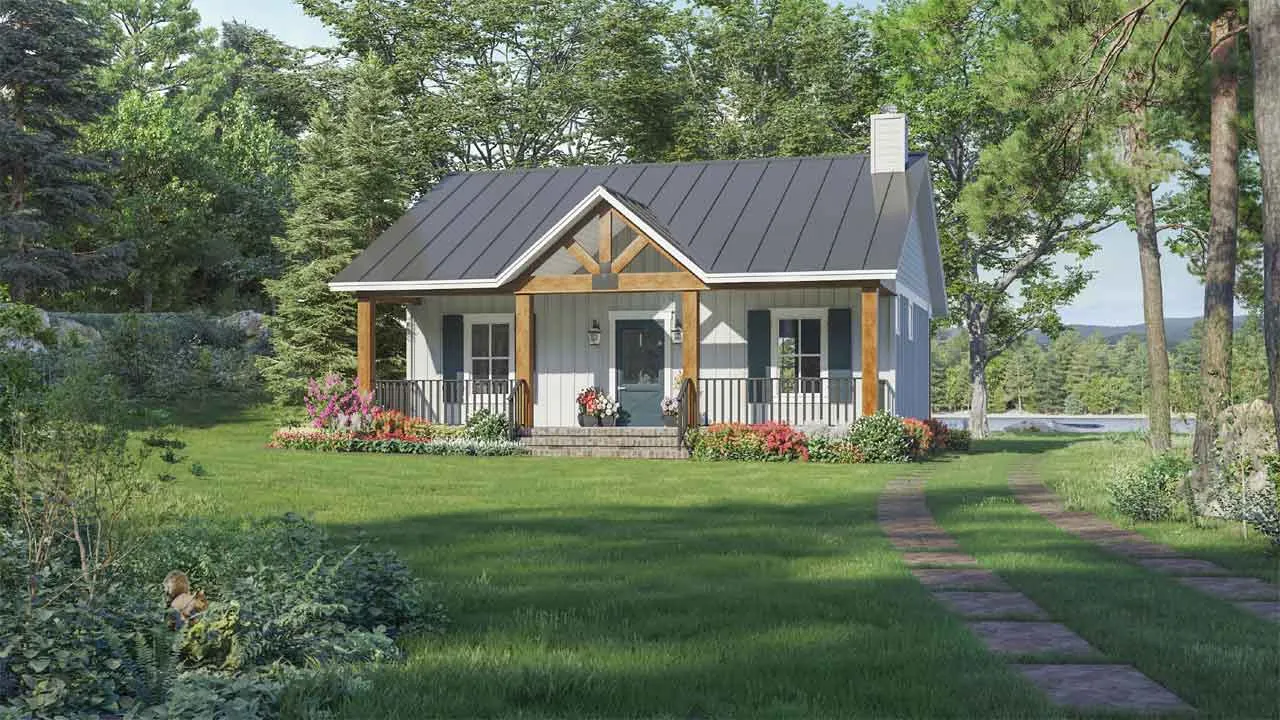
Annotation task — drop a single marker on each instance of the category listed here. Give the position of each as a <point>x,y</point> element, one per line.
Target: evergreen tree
<point>348,191</point>
<point>49,57</point>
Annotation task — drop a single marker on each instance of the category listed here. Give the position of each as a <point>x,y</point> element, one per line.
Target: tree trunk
<point>977,375</point>
<point>1264,37</point>
<point>1144,212</point>
<point>1220,255</point>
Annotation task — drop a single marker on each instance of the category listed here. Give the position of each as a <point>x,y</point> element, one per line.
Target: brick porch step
<point>624,442</point>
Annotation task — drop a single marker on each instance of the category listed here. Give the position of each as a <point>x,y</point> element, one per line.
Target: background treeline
<point>1091,374</point>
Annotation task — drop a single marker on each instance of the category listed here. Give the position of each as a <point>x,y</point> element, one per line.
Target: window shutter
<point>840,354</point>
<point>759,355</point>
<point>452,346</point>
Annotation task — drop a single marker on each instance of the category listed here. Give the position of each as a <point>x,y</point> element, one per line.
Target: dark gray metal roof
<point>737,216</point>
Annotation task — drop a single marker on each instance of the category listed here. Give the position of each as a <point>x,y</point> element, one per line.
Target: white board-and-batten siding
<point>564,362</point>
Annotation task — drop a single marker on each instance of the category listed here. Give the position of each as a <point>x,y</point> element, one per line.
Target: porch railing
<point>687,412</point>
<point>796,401</point>
<point>447,402</point>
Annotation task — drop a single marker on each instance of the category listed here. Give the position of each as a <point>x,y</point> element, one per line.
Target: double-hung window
<point>798,350</point>
<point>489,353</point>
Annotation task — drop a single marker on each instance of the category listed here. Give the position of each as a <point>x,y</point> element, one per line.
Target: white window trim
<point>667,317</point>
<point>488,319</point>
<point>778,314</point>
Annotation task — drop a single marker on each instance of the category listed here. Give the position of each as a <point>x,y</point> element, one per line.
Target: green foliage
<point>49,54</point>
<point>1149,491</point>
<point>881,438</point>
<point>788,78</point>
<point>487,425</point>
<point>958,440</point>
<point>350,188</point>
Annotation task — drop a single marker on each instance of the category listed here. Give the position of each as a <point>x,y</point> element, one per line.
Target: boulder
<point>1246,438</point>
<point>249,322</point>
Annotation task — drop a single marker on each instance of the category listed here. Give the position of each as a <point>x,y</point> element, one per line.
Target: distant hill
<point>1175,329</point>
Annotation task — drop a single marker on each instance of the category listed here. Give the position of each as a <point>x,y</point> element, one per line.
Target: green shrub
<point>881,438</point>
<point>958,440</point>
<point>1149,491</point>
<point>486,425</point>
<point>825,449</point>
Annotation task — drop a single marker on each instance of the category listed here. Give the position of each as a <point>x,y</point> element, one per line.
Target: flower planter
<point>608,420</point>
<point>669,421</point>
<point>585,420</point>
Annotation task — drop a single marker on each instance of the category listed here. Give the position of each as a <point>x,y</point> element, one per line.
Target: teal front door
<point>640,362</point>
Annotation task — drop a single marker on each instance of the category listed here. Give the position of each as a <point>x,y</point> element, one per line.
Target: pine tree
<point>349,190</point>
<point>49,58</point>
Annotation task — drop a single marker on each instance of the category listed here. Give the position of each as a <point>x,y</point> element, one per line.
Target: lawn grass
<point>658,589</point>
<point>1079,472</point>
<point>1220,659</point>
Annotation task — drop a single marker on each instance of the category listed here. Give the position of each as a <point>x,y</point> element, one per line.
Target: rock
<point>1246,437</point>
<point>249,322</point>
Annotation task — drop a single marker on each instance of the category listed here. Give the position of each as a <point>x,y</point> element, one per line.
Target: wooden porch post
<point>870,350</point>
<point>365,351</point>
<point>524,350</point>
<point>690,320</point>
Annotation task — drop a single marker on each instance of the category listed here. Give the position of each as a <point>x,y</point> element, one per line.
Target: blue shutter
<point>451,356</point>
<point>840,354</point>
<point>759,355</point>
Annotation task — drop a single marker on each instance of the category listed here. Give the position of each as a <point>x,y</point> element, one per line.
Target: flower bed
<point>310,439</point>
<point>875,438</point>
<point>342,419</point>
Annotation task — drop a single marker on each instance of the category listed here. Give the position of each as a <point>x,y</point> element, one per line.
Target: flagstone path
<point>1247,593</point>
<point>1010,623</point>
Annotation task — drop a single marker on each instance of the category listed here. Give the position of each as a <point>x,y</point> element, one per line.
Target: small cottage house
<point>794,289</point>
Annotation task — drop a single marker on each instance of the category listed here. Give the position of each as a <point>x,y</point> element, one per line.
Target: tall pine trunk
<point>1144,213</point>
<point>1264,36</point>
<point>978,374</point>
<point>1220,256</point>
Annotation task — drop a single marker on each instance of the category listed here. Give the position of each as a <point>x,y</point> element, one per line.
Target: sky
<point>1114,297</point>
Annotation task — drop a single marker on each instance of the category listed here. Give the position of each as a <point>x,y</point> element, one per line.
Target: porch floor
<point>658,443</point>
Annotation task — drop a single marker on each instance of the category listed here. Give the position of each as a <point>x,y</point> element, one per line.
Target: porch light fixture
<point>593,335</point>
<point>677,334</point>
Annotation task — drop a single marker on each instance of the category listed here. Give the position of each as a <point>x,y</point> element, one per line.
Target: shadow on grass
<point>1027,443</point>
<point>731,609</point>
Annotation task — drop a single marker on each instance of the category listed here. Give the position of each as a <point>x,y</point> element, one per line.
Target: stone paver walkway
<point>1247,593</point>
<point>1008,622</point>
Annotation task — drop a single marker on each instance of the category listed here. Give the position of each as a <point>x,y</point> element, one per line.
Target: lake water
<point>1066,423</point>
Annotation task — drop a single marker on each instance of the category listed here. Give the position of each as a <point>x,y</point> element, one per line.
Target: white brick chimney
<point>888,141</point>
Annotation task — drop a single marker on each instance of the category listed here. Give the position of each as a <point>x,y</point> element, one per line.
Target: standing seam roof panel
<point>850,246</point>
<point>438,249</point>
<point>698,204</point>
<point>720,219</point>
<point>819,234</point>
<point>673,193</point>
<point>885,249</point>
<point>742,241</point>
<point>512,207</point>
<point>779,241</point>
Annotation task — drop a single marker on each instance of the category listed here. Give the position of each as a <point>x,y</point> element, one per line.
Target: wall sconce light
<point>593,335</point>
<point>677,333</point>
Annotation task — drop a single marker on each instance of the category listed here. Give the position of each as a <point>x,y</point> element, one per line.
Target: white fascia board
<point>800,276</point>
